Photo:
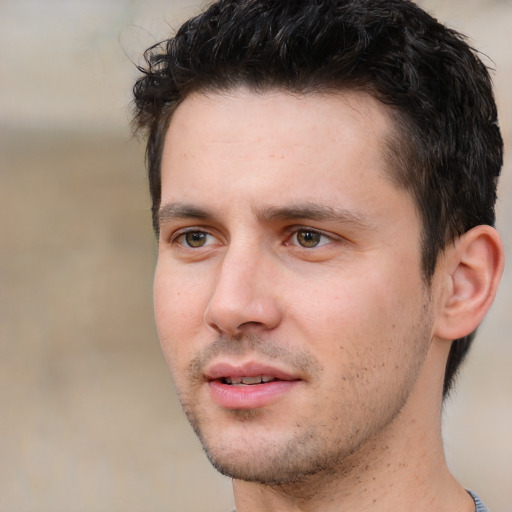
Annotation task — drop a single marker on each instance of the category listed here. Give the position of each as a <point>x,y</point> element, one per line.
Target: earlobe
<point>472,268</point>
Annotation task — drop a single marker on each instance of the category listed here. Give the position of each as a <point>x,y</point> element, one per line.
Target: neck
<point>401,469</point>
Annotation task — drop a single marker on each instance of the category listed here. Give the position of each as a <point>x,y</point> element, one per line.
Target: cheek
<point>178,314</point>
<point>373,340</point>
<point>361,316</point>
<point>166,302</point>
<point>178,296</point>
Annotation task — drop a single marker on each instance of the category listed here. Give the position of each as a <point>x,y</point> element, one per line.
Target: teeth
<point>258,379</point>
<point>252,380</point>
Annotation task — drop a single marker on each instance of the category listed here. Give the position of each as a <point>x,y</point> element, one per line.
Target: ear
<point>470,272</point>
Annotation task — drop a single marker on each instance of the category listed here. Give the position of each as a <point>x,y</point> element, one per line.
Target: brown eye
<point>195,238</point>
<point>307,238</point>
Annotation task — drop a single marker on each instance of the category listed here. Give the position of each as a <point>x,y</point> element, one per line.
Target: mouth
<point>248,374</point>
<point>248,386</point>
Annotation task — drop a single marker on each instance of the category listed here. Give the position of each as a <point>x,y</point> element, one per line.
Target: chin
<point>265,473</point>
<point>277,462</point>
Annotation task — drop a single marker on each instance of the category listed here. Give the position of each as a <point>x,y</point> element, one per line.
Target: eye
<point>195,239</point>
<point>309,238</point>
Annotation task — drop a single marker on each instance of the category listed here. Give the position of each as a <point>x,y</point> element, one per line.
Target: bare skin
<point>307,350</point>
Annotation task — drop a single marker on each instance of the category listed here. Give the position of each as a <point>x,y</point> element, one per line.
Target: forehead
<point>275,146</point>
<point>280,109</point>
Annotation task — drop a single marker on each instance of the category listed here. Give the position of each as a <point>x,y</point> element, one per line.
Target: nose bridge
<point>243,293</point>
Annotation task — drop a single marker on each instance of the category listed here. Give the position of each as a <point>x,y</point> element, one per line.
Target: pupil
<point>195,239</point>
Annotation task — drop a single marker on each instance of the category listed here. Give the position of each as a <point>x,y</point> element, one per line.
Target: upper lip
<point>222,370</point>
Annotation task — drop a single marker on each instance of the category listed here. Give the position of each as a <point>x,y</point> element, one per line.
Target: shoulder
<point>479,506</point>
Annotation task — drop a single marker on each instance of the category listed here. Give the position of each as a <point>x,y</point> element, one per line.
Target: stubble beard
<point>306,459</point>
<point>307,454</point>
<point>278,464</point>
<point>301,458</point>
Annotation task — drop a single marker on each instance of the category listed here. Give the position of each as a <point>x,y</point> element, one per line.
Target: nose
<point>244,295</point>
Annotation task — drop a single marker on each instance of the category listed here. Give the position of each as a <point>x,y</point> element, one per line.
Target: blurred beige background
<point>89,421</point>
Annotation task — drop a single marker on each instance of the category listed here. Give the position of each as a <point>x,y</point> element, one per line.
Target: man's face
<point>288,294</point>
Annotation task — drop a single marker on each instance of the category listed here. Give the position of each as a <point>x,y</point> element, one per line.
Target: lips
<point>248,386</point>
<point>251,373</point>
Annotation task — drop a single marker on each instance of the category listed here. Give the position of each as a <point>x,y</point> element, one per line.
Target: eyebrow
<point>314,211</point>
<point>172,211</point>
<point>294,211</point>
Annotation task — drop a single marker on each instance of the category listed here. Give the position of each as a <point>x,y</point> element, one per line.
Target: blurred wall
<point>89,420</point>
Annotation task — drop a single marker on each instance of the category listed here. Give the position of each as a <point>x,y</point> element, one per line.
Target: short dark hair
<point>446,149</point>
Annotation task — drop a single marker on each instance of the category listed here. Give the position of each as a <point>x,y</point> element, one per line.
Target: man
<point>323,176</point>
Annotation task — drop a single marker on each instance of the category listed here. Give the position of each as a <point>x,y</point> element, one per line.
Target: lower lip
<point>249,397</point>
